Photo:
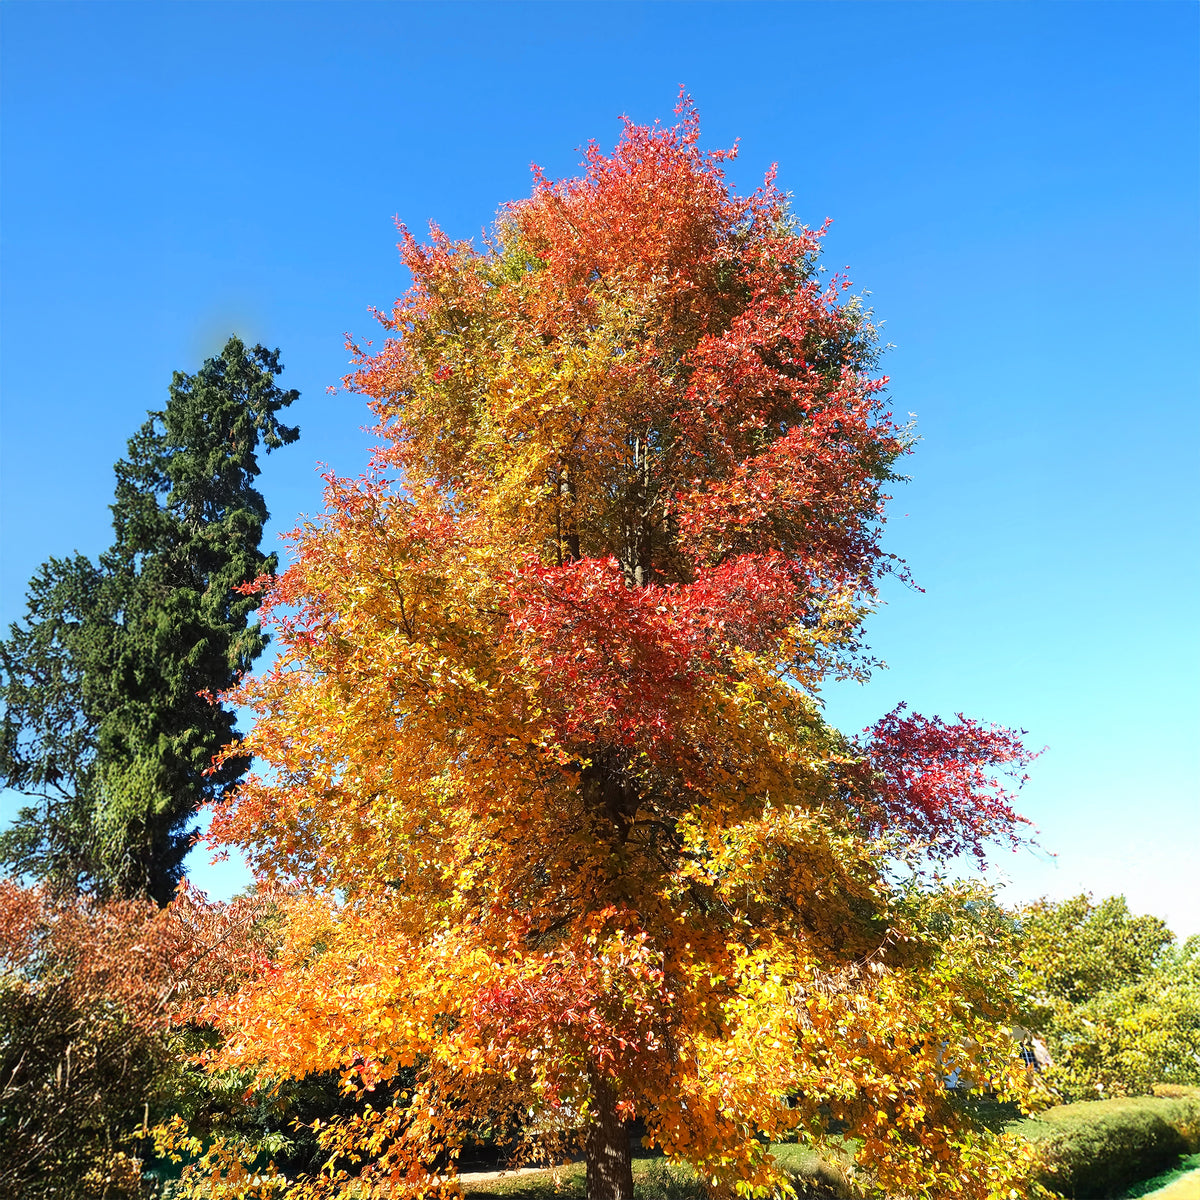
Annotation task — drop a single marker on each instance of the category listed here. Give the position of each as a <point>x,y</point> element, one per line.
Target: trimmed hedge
<point>1097,1148</point>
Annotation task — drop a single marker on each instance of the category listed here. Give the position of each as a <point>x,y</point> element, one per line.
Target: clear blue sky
<point>1016,184</point>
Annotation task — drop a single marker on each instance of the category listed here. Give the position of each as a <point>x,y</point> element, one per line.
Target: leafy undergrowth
<point>654,1178</point>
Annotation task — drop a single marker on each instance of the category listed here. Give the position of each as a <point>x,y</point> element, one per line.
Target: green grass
<point>1189,1162</point>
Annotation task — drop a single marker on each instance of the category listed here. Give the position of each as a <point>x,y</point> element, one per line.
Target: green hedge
<point>1097,1148</point>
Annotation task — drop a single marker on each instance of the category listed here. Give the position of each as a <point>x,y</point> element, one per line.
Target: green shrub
<point>817,1176</point>
<point>1098,1148</point>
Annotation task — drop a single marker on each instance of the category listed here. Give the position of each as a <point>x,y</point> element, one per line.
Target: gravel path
<point>1187,1187</point>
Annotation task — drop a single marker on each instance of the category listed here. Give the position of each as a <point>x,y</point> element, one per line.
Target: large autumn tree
<point>544,739</point>
<point>108,721</point>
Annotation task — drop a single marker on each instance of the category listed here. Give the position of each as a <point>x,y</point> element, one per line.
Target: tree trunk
<point>609,1160</point>
<point>568,527</point>
<point>636,532</point>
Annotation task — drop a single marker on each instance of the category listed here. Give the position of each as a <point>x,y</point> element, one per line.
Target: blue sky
<point>1017,185</point>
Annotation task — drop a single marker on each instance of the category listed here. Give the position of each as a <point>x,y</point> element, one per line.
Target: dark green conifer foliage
<point>52,680</point>
<point>107,723</point>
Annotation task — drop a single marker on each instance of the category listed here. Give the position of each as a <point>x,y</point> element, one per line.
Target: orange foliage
<point>545,758</point>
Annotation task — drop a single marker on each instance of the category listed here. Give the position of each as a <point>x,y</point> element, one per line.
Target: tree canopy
<point>1116,998</point>
<point>108,683</point>
<point>544,751</point>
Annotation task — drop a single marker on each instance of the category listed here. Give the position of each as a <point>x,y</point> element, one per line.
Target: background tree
<point>107,682</point>
<point>545,745</point>
<point>1117,1000</point>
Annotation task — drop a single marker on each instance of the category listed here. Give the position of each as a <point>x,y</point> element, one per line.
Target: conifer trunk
<point>609,1160</point>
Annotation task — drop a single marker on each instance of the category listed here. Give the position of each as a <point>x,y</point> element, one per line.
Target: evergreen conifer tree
<point>108,722</point>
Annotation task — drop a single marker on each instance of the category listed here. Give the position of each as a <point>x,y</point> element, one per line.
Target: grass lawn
<point>1181,1182</point>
